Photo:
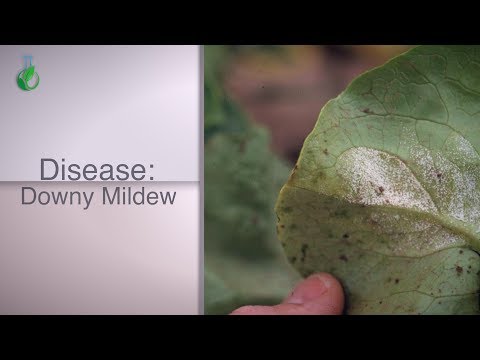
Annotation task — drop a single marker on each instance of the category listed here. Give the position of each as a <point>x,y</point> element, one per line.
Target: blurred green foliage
<point>244,262</point>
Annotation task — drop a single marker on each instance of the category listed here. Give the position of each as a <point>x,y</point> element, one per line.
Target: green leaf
<point>21,82</point>
<point>386,192</point>
<point>244,263</point>
<point>219,299</point>
<point>28,74</point>
<point>221,114</point>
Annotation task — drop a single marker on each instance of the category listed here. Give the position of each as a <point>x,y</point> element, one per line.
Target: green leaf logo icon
<point>21,82</point>
<point>28,79</point>
<point>29,73</point>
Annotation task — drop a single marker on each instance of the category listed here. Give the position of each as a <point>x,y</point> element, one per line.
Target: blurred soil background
<point>284,87</point>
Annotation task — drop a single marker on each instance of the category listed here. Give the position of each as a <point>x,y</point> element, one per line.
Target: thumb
<point>319,294</point>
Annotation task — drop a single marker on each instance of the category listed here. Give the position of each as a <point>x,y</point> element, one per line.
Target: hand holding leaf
<point>386,192</point>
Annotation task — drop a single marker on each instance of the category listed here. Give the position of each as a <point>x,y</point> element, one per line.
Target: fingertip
<point>333,300</point>
<point>330,281</point>
<point>320,294</point>
<point>254,310</point>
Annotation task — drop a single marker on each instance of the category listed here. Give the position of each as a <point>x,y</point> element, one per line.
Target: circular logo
<point>28,79</point>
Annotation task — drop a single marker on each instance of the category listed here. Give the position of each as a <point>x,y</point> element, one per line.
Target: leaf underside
<point>386,192</point>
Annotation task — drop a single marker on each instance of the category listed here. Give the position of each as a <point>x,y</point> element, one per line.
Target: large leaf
<point>386,192</point>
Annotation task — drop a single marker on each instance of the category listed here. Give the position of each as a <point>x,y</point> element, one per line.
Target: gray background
<point>101,104</point>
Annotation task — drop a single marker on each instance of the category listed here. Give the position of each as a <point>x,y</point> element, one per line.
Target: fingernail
<point>309,289</point>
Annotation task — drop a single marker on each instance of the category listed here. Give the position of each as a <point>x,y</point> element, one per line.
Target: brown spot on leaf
<point>304,252</point>
<point>459,269</point>
<point>325,151</point>
<point>346,236</point>
<point>397,281</point>
<point>343,258</point>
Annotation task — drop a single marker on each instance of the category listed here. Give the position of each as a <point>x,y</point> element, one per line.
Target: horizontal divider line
<point>97,182</point>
